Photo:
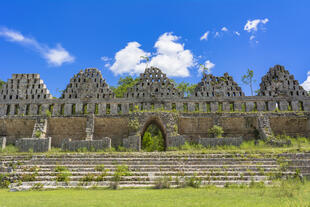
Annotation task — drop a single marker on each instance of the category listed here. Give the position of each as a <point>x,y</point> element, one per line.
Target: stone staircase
<point>145,168</point>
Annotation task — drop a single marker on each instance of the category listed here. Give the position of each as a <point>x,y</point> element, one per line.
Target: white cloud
<point>252,37</point>
<point>217,34</point>
<point>306,83</point>
<point>170,57</point>
<point>224,29</point>
<point>251,25</point>
<point>57,56</point>
<point>237,33</point>
<point>107,65</point>
<point>209,65</point>
<point>128,60</point>
<point>205,36</point>
<point>54,56</point>
<point>105,58</point>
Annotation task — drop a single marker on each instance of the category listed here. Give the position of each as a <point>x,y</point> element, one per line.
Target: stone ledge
<point>35,144</point>
<point>211,142</point>
<point>90,145</point>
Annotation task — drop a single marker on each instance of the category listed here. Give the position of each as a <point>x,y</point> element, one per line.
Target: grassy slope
<point>222,197</point>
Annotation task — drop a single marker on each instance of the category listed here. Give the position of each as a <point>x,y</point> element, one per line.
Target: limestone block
<point>175,141</point>
<point>35,144</point>
<point>212,142</point>
<point>68,109</point>
<point>3,142</point>
<point>272,105</point>
<point>249,106</point>
<point>283,105</point>
<point>132,142</point>
<point>102,109</point>
<point>214,106</point>
<point>90,145</point>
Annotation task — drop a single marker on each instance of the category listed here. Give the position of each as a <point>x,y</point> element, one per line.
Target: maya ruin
<point>88,113</point>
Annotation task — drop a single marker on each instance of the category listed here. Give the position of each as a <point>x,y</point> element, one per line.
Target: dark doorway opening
<point>153,137</point>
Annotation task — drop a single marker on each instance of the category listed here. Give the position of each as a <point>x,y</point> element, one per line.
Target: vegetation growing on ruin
<point>216,131</point>
<point>153,139</point>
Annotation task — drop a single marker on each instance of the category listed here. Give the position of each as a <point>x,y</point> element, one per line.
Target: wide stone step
<point>74,184</point>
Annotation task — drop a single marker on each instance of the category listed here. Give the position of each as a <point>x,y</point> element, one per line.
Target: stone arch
<point>156,121</point>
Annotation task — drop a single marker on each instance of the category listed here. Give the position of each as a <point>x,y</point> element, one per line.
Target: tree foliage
<point>248,79</point>
<point>123,84</point>
<point>186,88</point>
<point>153,139</point>
<point>1,83</point>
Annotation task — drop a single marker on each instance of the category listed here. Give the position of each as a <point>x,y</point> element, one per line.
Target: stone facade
<point>153,83</point>
<point>279,82</point>
<point>34,144</point>
<point>86,85</point>
<point>88,109</point>
<point>212,86</point>
<point>24,87</point>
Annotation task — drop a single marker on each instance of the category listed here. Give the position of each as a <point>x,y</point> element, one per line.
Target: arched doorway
<point>153,136</point>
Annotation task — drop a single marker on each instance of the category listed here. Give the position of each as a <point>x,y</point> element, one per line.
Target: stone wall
<point>213,142</point>
<point>34,144</point>
<point>90,145</point>
<point>88,109</point>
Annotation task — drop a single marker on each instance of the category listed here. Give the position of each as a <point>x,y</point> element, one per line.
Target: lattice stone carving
<point>153,83</point>
<point>213,86</point>
<point>279,82</point>
<point>24,87</point>
<point>88,84</point>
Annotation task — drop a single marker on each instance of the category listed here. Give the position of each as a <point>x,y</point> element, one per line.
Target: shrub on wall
<point>216,131</point>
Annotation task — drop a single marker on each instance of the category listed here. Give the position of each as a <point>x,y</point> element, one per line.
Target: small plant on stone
<point>37,186</point>
<point>4,181</point>
<point>193,181</point>
<point>216,131</point>
<point>38,134</point>
<point>62,174</point>
<point>100,168</point>
<point>134,124</point>
<point>120,171</point>
<point>163,182</point>
<point>48,113</point>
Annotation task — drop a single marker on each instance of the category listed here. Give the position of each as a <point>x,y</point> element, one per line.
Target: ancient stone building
<point>87,84</point>
<point>153,83</point>
<point>279,82</point>
<point>89,110</point>
<point>212,86</point>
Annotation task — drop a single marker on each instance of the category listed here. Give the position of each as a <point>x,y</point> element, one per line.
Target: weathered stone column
<point>90,123</point>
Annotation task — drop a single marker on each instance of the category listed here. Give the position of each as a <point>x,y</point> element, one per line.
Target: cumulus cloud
<point>205,36</point>
<point>217,34</point>
<point>170,57</point>
<point>224,29</point>
<point>128,60</point>
<point>252,25</point>
<point>252,37</point>
<point>306,83</point>
<point>208,65</point>
<point>54,56</point>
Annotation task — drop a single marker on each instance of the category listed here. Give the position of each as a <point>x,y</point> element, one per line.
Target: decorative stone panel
<point>213,86</point>
<point>88,84</point>
<point>24,87</point>
<point>279,82</point>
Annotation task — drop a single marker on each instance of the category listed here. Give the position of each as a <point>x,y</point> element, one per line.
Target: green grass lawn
<point>286,195</point>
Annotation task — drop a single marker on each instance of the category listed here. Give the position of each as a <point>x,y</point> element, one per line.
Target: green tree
<point>147,59</point>
<point>186,88</point>
<point>248,79</point>
<point>153,139</point>
<point>205,69</point>
<point>1,83</point>
<point>123,84</point>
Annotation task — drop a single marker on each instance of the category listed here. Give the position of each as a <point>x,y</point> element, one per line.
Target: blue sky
<point>59,38</point>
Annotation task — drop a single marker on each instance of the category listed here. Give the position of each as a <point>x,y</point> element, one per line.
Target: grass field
<point>286,195</point>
